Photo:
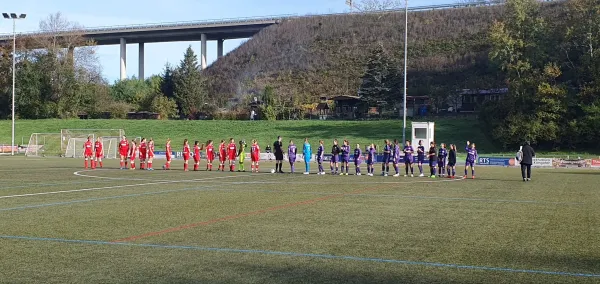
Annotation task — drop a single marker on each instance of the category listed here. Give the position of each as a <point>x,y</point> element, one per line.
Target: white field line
<point>113,187</point>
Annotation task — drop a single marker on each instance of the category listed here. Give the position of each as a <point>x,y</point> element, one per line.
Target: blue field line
<point>312,255</point>
<point>206,188</point>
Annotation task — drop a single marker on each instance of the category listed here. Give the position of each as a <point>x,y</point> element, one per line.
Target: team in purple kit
<point>442,160</point>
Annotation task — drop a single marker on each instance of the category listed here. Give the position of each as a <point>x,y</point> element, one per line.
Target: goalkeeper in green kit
<point>242,156</point>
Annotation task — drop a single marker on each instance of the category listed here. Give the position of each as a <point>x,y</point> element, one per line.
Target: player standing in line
<point>421,157</point>
<point>432,159</point>
<point>335,157</point>
<point>143,154</point>
<point>278,148</point>
<point>222,155</point>
<point>408,158</point>
<point>88,151</point>
<point>197,149</point>
<point>345,157</point>
<point>396,157</point>
<point>242,156</point>
<point>307,153</point>
<point>168,153</point>
<point>292,151</point>
<point>320,153</point>
<point>452,161</point>
<point>357,159</point>
<point>254,155</point>
<point>186,155</point>
<point>442,156</point>
<point>471,158</point>
<point>387,151</point>
<point>123,152</point>
<point>210,155</point>
<point>371,158</point>
<point>133,153</point>
<point>99,149</point>
<point>232,154</point>
<point>150,154</point>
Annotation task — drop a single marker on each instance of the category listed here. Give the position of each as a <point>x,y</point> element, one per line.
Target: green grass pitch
<point>114,226</point>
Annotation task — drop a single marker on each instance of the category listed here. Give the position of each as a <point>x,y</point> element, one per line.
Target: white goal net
<point>44,145</point>
<point>73,140</point>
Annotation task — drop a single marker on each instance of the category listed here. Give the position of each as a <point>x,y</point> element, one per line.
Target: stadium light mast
<point>405,65</point>
<point>14,18</point>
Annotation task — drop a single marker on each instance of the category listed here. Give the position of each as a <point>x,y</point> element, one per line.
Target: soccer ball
<point>272,171</point>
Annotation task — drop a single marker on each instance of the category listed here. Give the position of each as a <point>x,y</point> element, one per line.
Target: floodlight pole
<point>14,18</point>
<point>405,64</point>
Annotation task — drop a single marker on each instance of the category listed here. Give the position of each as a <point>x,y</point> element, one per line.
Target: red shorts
<point>168,157</point>
<point>255,158</point>
<point>186,156</point>
<point>150,155</point>
<point>222,158</point>
<point>132,158</point>
<point>196,158</point>
<point>124,154</point>
<point>88,154</point>
<point>211,157</point>
<point>99,155</point>
<point>232,157</point>
<point>143,155</point>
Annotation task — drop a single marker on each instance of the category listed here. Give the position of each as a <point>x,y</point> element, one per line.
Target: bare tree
<point>375,5</point>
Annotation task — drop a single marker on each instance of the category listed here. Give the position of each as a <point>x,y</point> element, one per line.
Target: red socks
<point>149,165</point>
<point>86,164</point>
<point>93,165</point>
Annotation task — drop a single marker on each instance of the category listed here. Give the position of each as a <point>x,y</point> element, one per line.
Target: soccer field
<point>60,224</point>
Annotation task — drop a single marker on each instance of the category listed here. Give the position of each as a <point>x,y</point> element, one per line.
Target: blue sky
<point>126,12</point>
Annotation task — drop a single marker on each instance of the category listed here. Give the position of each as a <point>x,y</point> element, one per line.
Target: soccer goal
<point>73,140</point>
<point>44,145</point>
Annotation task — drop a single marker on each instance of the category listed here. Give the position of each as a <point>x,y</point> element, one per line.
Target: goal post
<point>44,145</point>
<point>73,140</point>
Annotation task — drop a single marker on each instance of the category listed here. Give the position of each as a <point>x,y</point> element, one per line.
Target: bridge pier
<point>203,50</point>
<point>141,61</point>
<point>220,48</point>
<point>123,44</point>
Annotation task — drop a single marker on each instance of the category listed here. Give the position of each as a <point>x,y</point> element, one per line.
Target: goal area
<point>69,142</point>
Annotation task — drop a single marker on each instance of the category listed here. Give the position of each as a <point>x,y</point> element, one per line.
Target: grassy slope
<point>494,221</point>
<point>363,132</point>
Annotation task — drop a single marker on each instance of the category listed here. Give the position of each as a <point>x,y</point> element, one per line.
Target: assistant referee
<point>278,147</point>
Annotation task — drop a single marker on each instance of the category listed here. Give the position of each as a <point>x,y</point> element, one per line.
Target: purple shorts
<point>335,158</point>
<point>469,163</point>
<point>357,162</point>
<point>344,159</point>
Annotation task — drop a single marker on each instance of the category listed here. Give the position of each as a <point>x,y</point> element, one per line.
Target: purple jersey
<point>345,151</point>
<point>292,153</point>
<point>396,152</point>
<point>442,154</point>
<point>357,155</point>
<point>421,152</point>
<point>371,155</point>
<point>408,153</point>
<point>471,154</point>
<point>320,152</point>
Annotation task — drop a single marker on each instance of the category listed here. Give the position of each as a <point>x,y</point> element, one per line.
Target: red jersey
<point>255,152</point>
<point>222,152</point>
<point>133,152</point>
<point>210,152</point>
<point>88,147</point>
<point>186,152</point>
<point>143,147</point>
<point>232,151</point>
<point>168,151</point>
<point>98,147</point>
<point>150,149</point>
<point>124,147</point>
<point>196,152</point>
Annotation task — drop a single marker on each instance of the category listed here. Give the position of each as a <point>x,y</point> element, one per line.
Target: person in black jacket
<point>527,155</point>
<point>278,146</point>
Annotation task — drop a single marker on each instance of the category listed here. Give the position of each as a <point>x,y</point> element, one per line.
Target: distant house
<point>254,106</point>
<point>346,106</point>
<point>469,100</point>
<point>322,109</point>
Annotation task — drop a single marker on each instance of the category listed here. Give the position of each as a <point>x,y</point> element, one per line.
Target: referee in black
<point>278,147</point>
<point>527,161</point>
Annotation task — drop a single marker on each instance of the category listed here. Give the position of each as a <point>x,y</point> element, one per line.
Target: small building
<point>470,99</point>
<point>143,115</point>
<point>346,106</point>
<point>254,106</point>
<point>322,109</point>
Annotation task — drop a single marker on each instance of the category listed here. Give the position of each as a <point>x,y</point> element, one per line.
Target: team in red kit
<point>130,151</point>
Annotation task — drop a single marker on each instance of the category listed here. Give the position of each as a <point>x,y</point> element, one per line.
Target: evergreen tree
<point>374,85</point>
<point>167,85</point>
<point>189,85</point>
